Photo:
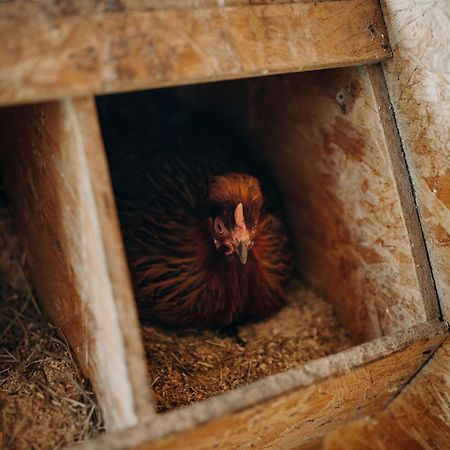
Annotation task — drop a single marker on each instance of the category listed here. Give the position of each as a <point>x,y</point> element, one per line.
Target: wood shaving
<point>189,366</point>
<point>45,403</point>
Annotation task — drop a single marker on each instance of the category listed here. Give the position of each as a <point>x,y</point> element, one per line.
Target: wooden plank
<point>76,7</point>
<point>83,50</point>
<point>291,408</point>
<point>332,149</point>
<point>404,188</point>
<point>59,190</point>
<point>419,418</point>
<point>114,252</point>
<point>419,88</point>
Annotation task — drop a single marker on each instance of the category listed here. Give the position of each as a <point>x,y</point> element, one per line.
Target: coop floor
<point>189,366</point>
<point>45,403</point>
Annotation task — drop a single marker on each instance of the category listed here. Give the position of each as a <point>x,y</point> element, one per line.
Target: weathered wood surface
<point>74,7</point>
<point>79,48</point>
<point>291,408</point>
<point>403,185</point>
<point>419,418</point>
<point>61,198</point>
<point>328,138</point>
<point>114,253</point>
<point>418,78</point>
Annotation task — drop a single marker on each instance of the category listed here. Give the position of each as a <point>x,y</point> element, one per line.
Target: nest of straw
<point>187,366</point>
<point>45,403</point>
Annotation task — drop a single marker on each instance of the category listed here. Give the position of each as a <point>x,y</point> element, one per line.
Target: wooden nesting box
<point>331,142</point>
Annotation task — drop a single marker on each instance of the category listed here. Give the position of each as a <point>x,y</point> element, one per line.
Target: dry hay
<point>44,401</point>
<point>188,366</point>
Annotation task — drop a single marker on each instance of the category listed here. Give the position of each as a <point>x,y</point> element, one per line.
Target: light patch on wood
<point>96,292</point>
<point>418,78</point>
<point>115,259</point>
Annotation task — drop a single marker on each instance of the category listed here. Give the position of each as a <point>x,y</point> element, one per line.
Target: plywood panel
<point>419,85</point>
<point>419,418</point>
<point>328,138</point>
<point>61,198</point>
<point>290,409</point>
<point>84,47</point>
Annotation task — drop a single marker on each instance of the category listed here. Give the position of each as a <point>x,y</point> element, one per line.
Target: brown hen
<point>203,248</point>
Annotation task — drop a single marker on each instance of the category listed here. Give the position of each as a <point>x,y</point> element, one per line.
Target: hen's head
<point>234,204</point>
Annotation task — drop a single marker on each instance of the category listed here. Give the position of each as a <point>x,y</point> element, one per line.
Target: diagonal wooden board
<point>60,195</point>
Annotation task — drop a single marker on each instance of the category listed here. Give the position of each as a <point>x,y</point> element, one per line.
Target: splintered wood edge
<point>405,192</point>
<point>272,387</point>
<point>104,52</point>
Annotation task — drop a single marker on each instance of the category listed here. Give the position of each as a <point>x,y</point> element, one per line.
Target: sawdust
<point>45,403</point>
<point>189,366</point>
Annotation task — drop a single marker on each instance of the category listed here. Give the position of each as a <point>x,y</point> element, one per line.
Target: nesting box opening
<point>187,364</point>
<point>311,133</point>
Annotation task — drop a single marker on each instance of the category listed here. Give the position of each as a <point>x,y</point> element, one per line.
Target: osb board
<point>48,168</point>
<point>78,50</point>
<point>187,366</point>
<point>325,138</point>
<point>288,409</point>
<point>419,418</point>
<point>419,86</point>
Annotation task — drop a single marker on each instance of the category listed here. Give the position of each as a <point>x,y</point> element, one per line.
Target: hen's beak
<point>240,234</point>
<point>242,251</point>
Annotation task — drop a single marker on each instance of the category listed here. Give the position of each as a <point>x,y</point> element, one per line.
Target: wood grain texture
<point>404,188</point>
<point>49,51</point>
<point>289,409</point>
<point>328,141</point>
<point>73,7</point>
<point>114,253</point>
<point>419,418</point>
<point>419,86</point>
<point>61,199</point>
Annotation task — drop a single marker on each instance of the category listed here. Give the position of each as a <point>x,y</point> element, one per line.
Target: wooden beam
<point>61,197</point>
<point>291,408</point>
<point>51,52</point>
<point>85,7</point>
<point>404,189</point>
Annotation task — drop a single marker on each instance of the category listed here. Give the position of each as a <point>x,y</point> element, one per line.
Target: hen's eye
<point>219,226</point>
